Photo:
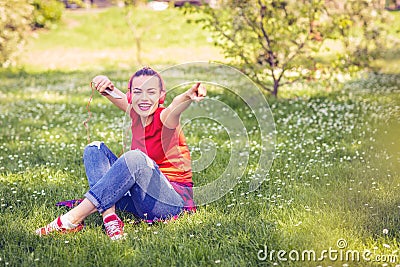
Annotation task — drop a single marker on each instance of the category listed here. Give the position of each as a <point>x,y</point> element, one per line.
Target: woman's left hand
<point>197,92</point>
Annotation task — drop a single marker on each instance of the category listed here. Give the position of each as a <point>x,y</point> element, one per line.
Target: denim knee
<point>93,147</point>
<point>94,144</point>
<point>135,159</point>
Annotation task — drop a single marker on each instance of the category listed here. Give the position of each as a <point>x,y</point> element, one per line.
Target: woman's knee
<point>134,155</point>
<point>93,147</point>
<point>136,158</point>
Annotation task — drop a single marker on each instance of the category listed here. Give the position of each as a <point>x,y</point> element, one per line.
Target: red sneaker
<point>57,226</point>
<point>114,226</point>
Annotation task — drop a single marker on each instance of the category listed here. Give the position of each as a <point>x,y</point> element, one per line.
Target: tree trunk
<point>138,49</point>
<point>276,86</point>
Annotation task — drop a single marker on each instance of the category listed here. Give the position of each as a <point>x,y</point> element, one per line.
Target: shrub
<point>15,18</point>
<point>47,13</point>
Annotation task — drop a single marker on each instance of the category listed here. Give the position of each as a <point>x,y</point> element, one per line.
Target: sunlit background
<point>336,113</point>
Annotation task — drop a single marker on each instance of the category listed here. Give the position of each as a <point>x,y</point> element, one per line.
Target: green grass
<point>102,39</point>
<point>335,174</point>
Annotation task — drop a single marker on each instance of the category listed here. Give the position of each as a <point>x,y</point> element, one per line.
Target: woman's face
<point>146,93</point>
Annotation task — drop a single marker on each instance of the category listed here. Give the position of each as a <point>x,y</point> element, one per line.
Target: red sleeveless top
<point>167,147</point>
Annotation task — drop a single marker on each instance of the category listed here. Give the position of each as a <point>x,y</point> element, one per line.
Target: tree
<point>15,21</point>
<point>276,42</point>
<point>137,31</point>
<point>360,27</point>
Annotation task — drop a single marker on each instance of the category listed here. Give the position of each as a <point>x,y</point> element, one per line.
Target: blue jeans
<point>132,183</point>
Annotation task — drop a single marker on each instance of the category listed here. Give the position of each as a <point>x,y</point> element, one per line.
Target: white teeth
<point>144,106</point>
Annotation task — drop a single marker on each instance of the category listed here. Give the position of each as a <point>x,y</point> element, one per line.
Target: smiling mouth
<point>144,107</point>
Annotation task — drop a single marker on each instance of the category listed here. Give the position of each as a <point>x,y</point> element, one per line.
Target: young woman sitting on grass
<point>154,179</point>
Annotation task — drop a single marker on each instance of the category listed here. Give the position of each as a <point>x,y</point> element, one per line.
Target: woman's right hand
<point>101,83</point>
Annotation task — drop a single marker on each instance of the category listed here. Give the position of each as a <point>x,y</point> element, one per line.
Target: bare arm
<point>171,115</point>
<point>102,83</point>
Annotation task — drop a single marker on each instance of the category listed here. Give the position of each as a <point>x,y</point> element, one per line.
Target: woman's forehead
<point>144,82</point>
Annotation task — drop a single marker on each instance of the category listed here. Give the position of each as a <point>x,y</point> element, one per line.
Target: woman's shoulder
<point>157,117</point>
<point>159,109</point>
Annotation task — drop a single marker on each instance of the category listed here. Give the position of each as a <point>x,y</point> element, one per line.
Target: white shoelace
<point>112,228</point>
<point>51,226</point>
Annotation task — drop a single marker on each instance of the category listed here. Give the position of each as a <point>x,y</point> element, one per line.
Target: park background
<point>335,175</point>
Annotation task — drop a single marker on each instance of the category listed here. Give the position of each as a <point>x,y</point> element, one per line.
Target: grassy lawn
<point>102,39</point>
<point>333,184</point>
